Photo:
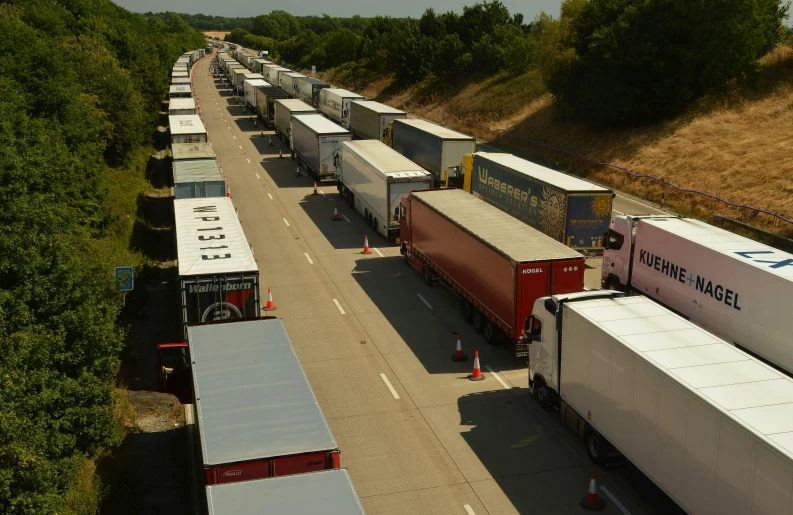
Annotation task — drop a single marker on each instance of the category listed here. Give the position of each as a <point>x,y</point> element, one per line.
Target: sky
<point>340,8</point>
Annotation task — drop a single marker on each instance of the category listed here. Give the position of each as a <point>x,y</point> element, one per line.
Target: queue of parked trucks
<point>681,363</point>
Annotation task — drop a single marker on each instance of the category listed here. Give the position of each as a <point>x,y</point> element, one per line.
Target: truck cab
<point>402,214</point>
<point>618,245</point>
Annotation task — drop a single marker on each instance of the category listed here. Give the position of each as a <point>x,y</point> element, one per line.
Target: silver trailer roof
<point>196,170</point>
<point>495,228</point>
<point>300,494</point>
<point>196,220</point>
<point>319,124</point>
<point>377,107</point>
<point>384,159</point>
<point>759,255</point>
<point>251,76</point>
<point>437,130</point>
<point>343,93</point>
<point>186,124</point>
<point>255,83</point>
<point>295,105</point>
<point>547,175</point>
<point>756,396</point>
<point>180,88</point>
<point>180,80</point>
<point>253,399</point>
<point>181,103</point>
<point>294,75</point>
<point>192,151</point>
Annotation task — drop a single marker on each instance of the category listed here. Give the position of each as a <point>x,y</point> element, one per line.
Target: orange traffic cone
<point>262,133</point>
<point>315,189</point>
<point>297,172</point>
<point>458,354</point>
<point>476,375</point>
<point>270,306</point>
<point>280,154</point>
<point>335,214</point>
<point>228,191</point>
<point>269,141</point>
<point>366,249</point>
<point>592,501</point>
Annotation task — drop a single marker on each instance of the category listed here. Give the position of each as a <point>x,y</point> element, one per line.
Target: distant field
<point>216,34</point>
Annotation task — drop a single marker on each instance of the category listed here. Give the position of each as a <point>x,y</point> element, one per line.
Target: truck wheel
<point>492,334</point>
<point>427,274</point>
<point>543,394</point>
<point>468,311</point>
<point>406,256</point>
<point>612,283</point>
<point>374,224</point>
<point>479,321</point>
<point>596,446</point>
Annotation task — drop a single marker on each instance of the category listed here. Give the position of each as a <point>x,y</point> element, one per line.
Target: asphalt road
<point>415,434</point>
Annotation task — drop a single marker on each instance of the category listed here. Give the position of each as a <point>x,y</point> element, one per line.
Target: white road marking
<point>286,222</point>
<point>339,306</point>
<point>388,384</point>
<point>616,502</point>
<point>614,210</point>
<point>469,510</point>
<point>248,160</point>
<point>308,257</point>
<point>235,137</point>
<point>345,217</point>
<point>321,192</point>
<point>240,146</point>
<point>378,252</point>
<point>257,176</point>
<point>271,197</point>
<point>498,377</point>
<point>424,301</point>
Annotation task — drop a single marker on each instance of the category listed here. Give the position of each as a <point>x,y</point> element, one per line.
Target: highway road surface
<point>415,434</point>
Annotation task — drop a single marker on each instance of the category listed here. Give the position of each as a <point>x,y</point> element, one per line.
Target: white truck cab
<point>618,244</point>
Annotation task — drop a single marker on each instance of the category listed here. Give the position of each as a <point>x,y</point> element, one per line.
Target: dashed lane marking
<point>468,509</point>
<point>345,217</point>
<point>310,262</point>
<point>614,499</point>
<point>378,252</point>
<point>271,197</point>
<point>286,222</point>
<point>424,300</point>
<point>248,160</point>
<point>391,388</point>
<point>341,310</point>
<point>257,176</point>
<point>498,377</point>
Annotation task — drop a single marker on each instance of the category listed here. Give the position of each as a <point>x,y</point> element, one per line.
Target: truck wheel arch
<point>613,283</point>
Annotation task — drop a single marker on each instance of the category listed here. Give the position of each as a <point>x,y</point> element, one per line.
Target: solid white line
<point>286,221</point>
<point>424,301</point>
<point>248,160</point>
<point>345,217</point>
<point>271,197</point>
<point>378,251</point>
<point>498,378</point>
<point>617,212</point>
<point>469,510</point>
<point>339,306</point>
<point>388,384</point>
<point>616,502</point>
<point>308,257</point>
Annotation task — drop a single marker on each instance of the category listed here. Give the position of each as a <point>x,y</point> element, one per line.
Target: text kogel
<point>703,285</point>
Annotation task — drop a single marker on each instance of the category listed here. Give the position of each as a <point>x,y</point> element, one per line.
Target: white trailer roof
<point>253,399</point>
<point>181,74</point>
<point>295,105</point>
<point>179,88</point>
<point>192,151</point>
<point>181,103</point>
<point>342,92</point>
<point>741,387</point>
<point>251,76</point>
<point>756,254</point>
<point>319,124</point>
<point>196,170</point>
<point>254,83</point>
<point>377,107</point>
<point>437,130</point>
<point>560,180</point>
<point>498,230</point>
<point>287,495</point>
<point>180,80</point>
<point>384,159</point>
<point>198,218</point>
<point>294,75</point>
<point>186,124</point>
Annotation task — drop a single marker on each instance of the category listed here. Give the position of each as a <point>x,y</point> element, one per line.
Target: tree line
<point>610,62</point>
<point>82,83</point>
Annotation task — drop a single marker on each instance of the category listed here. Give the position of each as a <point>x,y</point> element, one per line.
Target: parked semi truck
<point>196,178</point>
<point>436,149</point>
<point>187,128</point>
<point>289,83</point>
<point>566,208</point>
<point>496,264</point>
<point>707,423</point>
<point>284,110</point>
<point>249,88</point>
<point>373,178</point>
<point>265,103</point>
<point>373,120</point>
<point>242,77</point>
<point>316,142</point>
<point>308,89</point>
<point>218,276</point>
<point>734,287</point>
<point>335,104</point>
<point>260,421</point>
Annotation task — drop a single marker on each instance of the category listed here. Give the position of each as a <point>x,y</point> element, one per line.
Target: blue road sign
<point>125,278</point>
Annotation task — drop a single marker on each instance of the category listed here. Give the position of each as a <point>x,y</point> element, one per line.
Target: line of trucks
<point>260,437</point>
<point>681,363</point>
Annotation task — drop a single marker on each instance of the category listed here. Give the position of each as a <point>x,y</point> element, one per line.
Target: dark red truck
<point>496,264</point>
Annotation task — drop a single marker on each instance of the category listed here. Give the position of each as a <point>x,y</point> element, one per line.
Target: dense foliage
<point>206,21</point>
<point>82,83</point>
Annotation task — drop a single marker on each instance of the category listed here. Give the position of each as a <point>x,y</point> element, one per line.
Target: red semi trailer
<point>495,263</point>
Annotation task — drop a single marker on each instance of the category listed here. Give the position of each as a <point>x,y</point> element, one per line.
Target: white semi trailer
<point>373,177</point>
<point>709,424</point>
<point>732,286</point>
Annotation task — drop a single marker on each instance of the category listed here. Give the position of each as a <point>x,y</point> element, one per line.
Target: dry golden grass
<point>216,34</point>
<point>737,145</point>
